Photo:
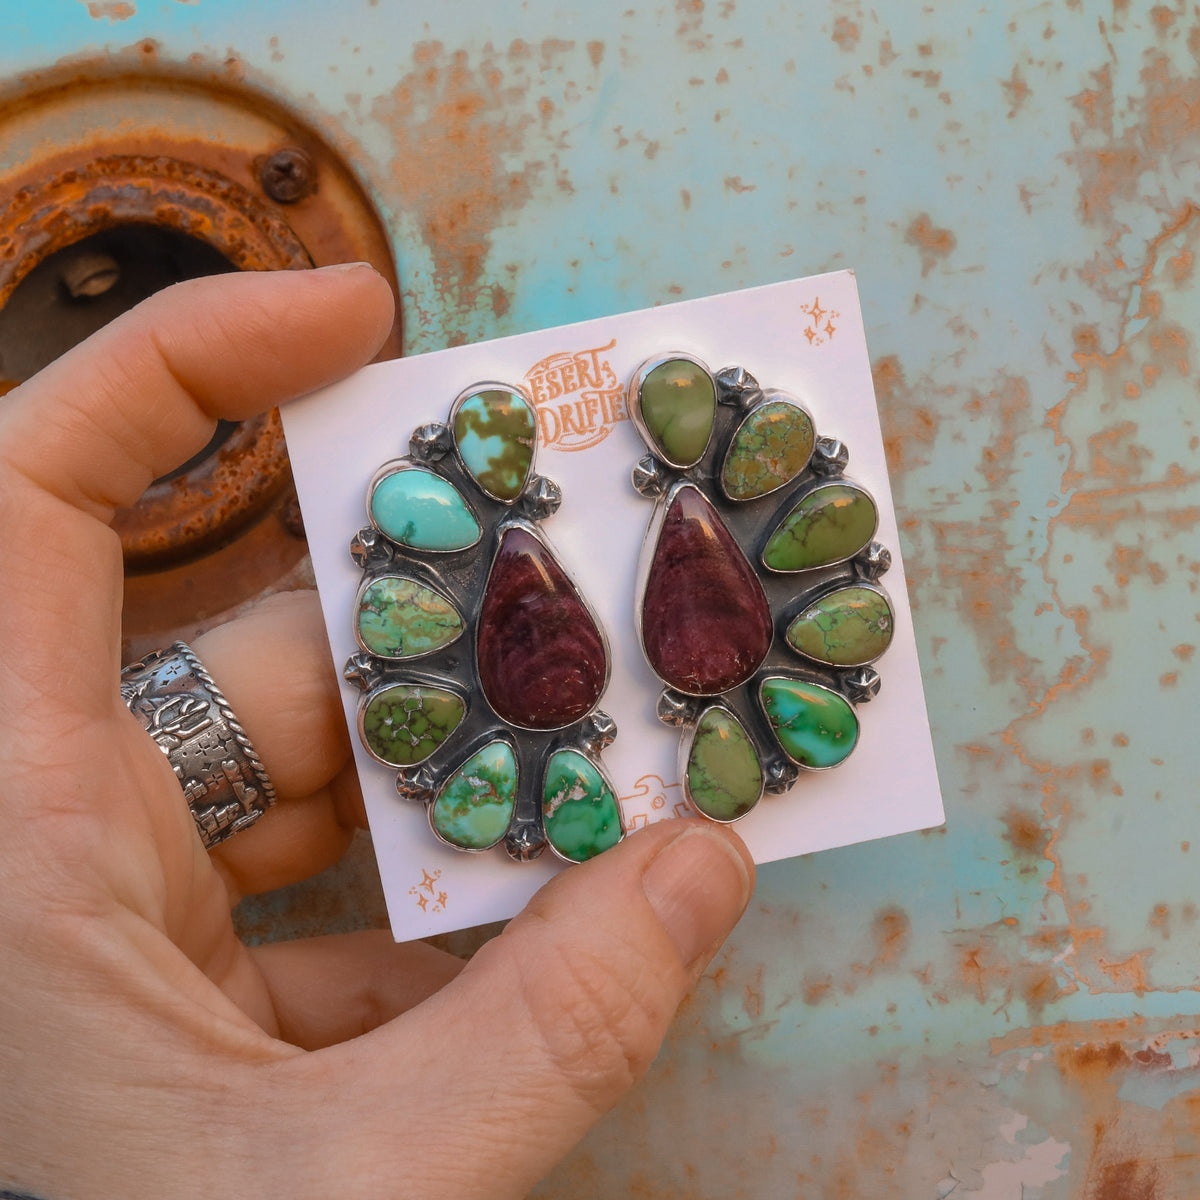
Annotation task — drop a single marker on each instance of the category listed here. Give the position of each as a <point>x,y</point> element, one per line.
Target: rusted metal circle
<point>138,189</point>
<point>181,516</point>
<point>107,161</point>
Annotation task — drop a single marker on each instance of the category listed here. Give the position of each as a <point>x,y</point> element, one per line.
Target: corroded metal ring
<point>179,706</point>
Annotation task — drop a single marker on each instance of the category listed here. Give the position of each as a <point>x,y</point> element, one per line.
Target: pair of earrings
<point>482,665</point>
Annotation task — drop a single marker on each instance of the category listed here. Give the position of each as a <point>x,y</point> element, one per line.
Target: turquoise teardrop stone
<point>403,724</point>
<point>579,809</point>
<point>475,806</point>
<point>678,404</point>
<point>829,525</point>
<point>723,778</point>
<point>846,628</point>
<point>494,432</point>
<point>401,618</point>
<point>815,725</point>
<point>770,448</point>
<point>423,511</point>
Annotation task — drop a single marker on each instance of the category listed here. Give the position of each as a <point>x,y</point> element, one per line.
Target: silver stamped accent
<point>831,457</point>
<point>861,684</point>
<point>431,442</point>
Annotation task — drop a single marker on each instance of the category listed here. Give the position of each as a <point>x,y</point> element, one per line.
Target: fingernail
<point>350,266</point>
<point>698,886</point>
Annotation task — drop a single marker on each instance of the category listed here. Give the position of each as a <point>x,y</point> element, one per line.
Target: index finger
<point>89,433</point>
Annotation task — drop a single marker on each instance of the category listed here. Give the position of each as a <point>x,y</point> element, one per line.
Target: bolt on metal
<point>88,275</point>
<point>288,176</point>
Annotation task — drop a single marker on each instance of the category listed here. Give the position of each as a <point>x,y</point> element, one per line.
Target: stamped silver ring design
<point>223,779</point>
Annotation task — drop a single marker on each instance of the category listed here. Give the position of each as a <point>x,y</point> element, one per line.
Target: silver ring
<point>223,779</point>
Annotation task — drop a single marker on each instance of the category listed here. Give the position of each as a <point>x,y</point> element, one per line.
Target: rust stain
<point>734,184</point>
<point>459,127</point>
<point>752,996</point>
<point>1107,481</point>
<point>890,939</point>
<point>1156,1059</point>
<point>1162,17</point>
<point>1128,562</point>
<point>891,931</point>
<point>846,34</point>
<point>1016,91</point>
<point>909,427</point>
<point>973,566</point>
<point>1009,407</point>
<point>1155,142</point>
<point>691,19</point>
<point>1073,1033</point>
<point>110,10</point>
<point>1130,1179</point>
<point>992,968</point>
<point>932,243</point>
<point>816,988</point>
<point>1069,1080</point>
<point>1028,837</point>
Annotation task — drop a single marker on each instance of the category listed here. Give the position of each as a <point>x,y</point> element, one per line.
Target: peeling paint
<point>933,244</point>
<point>110,10</point>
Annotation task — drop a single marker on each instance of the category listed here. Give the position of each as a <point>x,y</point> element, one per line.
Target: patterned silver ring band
<point>179,706</point>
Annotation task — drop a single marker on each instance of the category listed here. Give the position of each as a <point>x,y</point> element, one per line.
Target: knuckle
<point>600,1018</point>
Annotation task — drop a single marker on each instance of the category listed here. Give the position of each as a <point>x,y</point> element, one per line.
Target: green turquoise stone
<point>494,432</point>
<point>475,806</point>
<point>579,808</point>
<point>404,723</point>
<point>723,778</point>
<point>401,618</point>
<point>678,404</point>
<point>832,523</point>
<point>815,725</point>
<point>423,511</point>
<point>771,447</point>
<point>846,628</point>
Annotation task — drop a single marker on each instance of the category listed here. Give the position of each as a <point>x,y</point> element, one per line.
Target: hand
<point>144,1051</point>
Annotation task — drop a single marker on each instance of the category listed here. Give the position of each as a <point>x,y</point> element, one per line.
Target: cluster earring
<point>481,664</point>
<point>758,602</point>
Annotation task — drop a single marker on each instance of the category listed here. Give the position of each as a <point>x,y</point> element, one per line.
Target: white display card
<point>804,337</point>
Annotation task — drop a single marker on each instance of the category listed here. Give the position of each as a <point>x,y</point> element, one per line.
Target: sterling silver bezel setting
<point>751,522</point>
<point>460,576</point>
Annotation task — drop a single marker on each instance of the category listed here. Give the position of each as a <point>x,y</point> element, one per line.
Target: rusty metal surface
<point>1007,1007</point>
<point>103,146</point>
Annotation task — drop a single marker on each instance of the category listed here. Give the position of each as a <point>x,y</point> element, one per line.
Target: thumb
<point>491,1082</point>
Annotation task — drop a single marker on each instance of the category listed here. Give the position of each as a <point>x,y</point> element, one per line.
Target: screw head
<point>288,175</point>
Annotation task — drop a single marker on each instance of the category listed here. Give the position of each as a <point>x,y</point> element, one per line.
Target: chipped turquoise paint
<point>423,511</point>
<point>830,524</point>
<point>401,618</point>
<point>579,808</point>
<point>494,432</point>
<point>815,726</point>
<point>846,628</point>
<point>475,805</point>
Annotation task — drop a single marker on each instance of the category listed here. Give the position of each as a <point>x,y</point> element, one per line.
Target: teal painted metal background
<point>1006,1007</point>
